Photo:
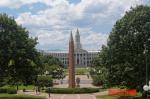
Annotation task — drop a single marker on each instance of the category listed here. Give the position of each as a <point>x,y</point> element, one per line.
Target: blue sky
<point>52,20</point>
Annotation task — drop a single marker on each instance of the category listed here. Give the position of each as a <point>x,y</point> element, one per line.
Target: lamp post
<point>146,87</point>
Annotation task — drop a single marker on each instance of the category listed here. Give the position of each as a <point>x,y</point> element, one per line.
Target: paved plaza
<point>84,82</point>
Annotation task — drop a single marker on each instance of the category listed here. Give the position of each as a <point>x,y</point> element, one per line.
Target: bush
<point>20,97</point>
<point>97,80</point>
<point>72,90</point>
<point>24,90</point>
<point>9,91</point>
<point>3,90</point>
<point>12,91</point>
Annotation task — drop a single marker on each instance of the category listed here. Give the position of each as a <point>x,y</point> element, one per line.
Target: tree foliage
<point>50,60</point>
<point>52,66</point>
<point>18,56</point>
<point>44,81</point>
<point>123,55</point>
<point>55,71</point>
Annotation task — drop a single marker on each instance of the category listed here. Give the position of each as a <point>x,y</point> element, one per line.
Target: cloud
<point>14,4</point>
<point>52,26</point>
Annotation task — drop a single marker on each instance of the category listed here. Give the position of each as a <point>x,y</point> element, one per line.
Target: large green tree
<point>123,55</point>
<point>50,60</point>
<point>52,66</point>
<point>18,56</point>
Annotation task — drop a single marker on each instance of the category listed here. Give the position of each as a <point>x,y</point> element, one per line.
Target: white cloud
<point>18,3</point>
<point>52,25</point>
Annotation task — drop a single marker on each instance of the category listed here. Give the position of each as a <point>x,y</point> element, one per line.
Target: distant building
<point>83,58</point>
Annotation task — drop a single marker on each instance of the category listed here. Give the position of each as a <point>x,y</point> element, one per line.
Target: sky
<point>51,21</point>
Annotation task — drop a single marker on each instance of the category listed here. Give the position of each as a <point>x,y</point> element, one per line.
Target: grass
<point>21,87</point>
<point>139,96</point>
<point>116,97</point>
<point>106,97</point>
<point>79,71</point>
<point>14,96</point>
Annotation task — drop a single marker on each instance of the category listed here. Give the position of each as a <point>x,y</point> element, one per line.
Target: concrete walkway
<point>62,96</point>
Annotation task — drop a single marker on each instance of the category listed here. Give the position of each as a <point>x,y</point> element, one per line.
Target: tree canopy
<point>50,60</point>
<point>123,55</point>
<point>18,56</point>
<point>53,66</point>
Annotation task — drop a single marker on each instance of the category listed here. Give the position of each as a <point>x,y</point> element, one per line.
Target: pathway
<point>63,96</point>
<point>72,96</point>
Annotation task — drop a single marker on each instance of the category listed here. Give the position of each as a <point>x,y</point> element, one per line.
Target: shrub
<point>72,90</point>
<point>20,97</point>
<point>3,90</point>
<point>24,90</point>
<point>97,80</point>
<point>9,90</point>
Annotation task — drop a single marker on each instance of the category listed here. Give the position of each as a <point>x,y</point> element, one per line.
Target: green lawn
<point>79,71</point>
<point>14,96</point>
<point>29,87</point>
<point>117,97</point>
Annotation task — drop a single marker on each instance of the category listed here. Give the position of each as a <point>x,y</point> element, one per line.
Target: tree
<point>18,57</point>
<point>50,60</point>
<point>123,55</point>
<point>99,76</point>
<point>99,71</point>
<point>53,66</point>
<point>44,81</point>
<point>55,71</point>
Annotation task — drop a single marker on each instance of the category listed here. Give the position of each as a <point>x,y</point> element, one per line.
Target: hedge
<point>20,97</point>
<point>8,90</point>
<point>72,90</point>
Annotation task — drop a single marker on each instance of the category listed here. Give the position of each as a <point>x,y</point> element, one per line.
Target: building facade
<point>83,58</point>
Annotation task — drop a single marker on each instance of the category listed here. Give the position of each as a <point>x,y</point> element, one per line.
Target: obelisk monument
<point>71,66</point>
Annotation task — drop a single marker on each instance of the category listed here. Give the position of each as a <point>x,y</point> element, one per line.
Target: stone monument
<point>71,66</point>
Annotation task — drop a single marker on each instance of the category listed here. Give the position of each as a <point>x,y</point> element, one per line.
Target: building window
<point>77,61</point>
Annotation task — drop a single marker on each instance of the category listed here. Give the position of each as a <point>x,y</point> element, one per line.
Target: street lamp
<point>147,86</point>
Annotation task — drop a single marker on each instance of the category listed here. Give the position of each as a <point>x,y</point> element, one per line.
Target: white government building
<point>83,58</point>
